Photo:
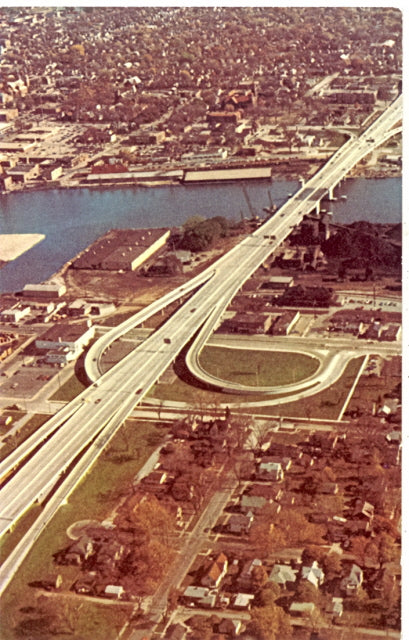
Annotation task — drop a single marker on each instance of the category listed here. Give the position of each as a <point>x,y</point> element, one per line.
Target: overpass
<point>111,399</point>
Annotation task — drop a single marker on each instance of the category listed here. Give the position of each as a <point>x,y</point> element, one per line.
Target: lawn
<point>186,388</point>
<point>325,405</point>
<point>30,427</point>
<point>257,368</point>
<point>69,390</point>
<point>95,498</point>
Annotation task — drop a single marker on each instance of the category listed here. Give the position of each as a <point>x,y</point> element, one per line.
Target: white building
<point>15,314</point>
<point>73,336</point>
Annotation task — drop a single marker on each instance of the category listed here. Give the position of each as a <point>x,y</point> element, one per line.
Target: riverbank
<point>72,219</point>
<point>288,168</point>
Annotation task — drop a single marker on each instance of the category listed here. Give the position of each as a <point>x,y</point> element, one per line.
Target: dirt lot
<point>130,287</point>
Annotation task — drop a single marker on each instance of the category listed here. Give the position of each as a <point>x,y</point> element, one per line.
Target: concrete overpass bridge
<point>99,412</point>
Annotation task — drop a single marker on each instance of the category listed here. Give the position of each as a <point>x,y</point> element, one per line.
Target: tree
<point>270,623</point>
<point>332,564</point>
<point>307,592</point>
<point>363,549</point>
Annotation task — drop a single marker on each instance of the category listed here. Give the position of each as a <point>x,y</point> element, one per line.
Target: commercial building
<point>15,314</point>
<point>72,336</point>
<point>51,289</point>
<point>123,250</point>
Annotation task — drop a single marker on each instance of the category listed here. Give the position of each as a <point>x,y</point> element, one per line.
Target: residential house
<point>314,574</point>
<point>271,471</point>
<point>335,608</point>
<point>253,503</point>
<point>230,627</point>
<point>245,579</point>
<point>353,582</point>
<point>242,601</point>
<point>282,574</point>
<point>202,596</point>
<point>114,591</point>
<point>240,522</point>
<point>78,552</point>
<point>302,609</point>
<point>175,632</point>
<point>216,572</point>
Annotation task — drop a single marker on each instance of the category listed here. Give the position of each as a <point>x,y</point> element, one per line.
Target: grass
<point>186,388</point>
<point>325,405</point>
<point>95,498</point>
<point>257,368</point>
<point>10,541</point>
<point>69,390</point>
<point>30,427</point>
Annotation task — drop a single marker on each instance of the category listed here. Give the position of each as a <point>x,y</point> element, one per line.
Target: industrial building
<point>72,336</point>
<point>123,250</point>
<point>52,289</point>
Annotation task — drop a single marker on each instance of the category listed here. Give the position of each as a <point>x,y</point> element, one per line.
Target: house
<point>242,601</point>
<point>216,572</point>
<point>245,579</point>
<point>314,574</point>
<point>363,512</point>
<point>86,584</point>
<point>114,591</point>
<point>353,582</point>
<point>271,471</point>
<point>202,596</point>
<point>253,503</point>
<point>336,607</point>
<point>78,552</point>
<point>283,573</point>
<point>175,632</point>
<point>240,522</point>
<point>230,627</point>
<point>329,488</point>
<point>302,609</point>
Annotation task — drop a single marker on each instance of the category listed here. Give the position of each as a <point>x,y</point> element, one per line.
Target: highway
<point>112,398</point>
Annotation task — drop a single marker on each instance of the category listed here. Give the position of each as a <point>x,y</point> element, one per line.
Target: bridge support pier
<point>318,207</point>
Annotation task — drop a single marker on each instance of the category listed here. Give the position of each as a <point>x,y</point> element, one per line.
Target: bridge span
<point>107,403</point>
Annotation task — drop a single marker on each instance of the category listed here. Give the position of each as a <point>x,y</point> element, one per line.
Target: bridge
<point>99,411</point>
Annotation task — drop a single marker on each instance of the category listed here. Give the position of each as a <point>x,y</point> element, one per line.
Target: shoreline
<point>367,173</point>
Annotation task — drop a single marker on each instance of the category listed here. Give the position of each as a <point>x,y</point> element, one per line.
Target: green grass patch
<point>257,368</point>
<point>10,540</point>
<point>25,432</point>
<point>69,390</point>
<point>95,498</point>
<point>326,404</point>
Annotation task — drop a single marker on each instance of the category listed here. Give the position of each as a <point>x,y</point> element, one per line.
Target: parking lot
<point>26,382</point>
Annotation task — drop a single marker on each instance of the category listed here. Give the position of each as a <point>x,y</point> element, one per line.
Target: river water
<point>71,219</point>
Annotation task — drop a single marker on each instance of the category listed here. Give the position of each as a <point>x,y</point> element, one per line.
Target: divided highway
<point>117,392</point>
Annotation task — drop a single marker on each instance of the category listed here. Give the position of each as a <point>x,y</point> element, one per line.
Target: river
<point>71,219</point>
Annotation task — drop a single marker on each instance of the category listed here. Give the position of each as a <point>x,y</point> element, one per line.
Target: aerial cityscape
<point>200,323</point>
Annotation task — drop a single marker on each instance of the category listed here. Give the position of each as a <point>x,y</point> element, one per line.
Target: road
<point>195,541</point>
<point>112,398</point>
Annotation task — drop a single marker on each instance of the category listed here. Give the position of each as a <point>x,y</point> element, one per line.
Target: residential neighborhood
<point>201,323</point>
